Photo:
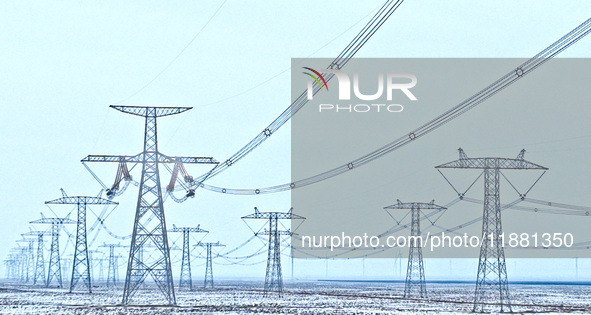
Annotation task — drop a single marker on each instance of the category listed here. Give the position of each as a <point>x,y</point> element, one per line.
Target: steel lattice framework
<point>54,270</point>
<point>11,267</point>
<point>81,263</point>
<point>20,261</point>
<point>415,271</point>
<point>29,258</point>
<point>491,280</point>
<point>208,280</point>
<point>112,273</point>
<point>186,278</point>
<point>91,260</point>
<point>149,227</point>
<point>40,262</point>
<point>273,275</point>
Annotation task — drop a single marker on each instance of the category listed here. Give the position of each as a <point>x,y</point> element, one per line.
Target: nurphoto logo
<point>393,81</point>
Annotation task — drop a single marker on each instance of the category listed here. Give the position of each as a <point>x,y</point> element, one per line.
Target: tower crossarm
<point>268,215</point>
<point>26,240</point>
<point>197,229</point>
<point>112,158</point>
<point>19,249</point>
<point>266,232</point>
<point>499,163</point>
<point>81,200</point>
<point>205,244</point>
<point>35,233</point>
<point>138,158</point>
<point>162,158</point>
<point>113,245</point>
<point>54,221</point>
<point>411,205</point>
<point>518,163</point>
<point>151,111</point>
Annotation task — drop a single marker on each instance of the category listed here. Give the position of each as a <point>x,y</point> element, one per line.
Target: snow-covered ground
<point>298,298</point>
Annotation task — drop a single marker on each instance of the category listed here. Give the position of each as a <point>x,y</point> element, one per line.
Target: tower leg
<point>31,261</point>
<point>186,278</point>
<point>40,264</point>
<point>208,269</point>
<point>274,277</point>
<point>149,227</point>
<point>55,270</point>
<point>491,282</point>
<point>111,270</point>
<point>101,270</point>
<point>415,273</point>
<point>81,264</point>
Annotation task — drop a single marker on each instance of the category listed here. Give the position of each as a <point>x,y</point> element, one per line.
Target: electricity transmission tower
<point>112,274</point>
<point>150,225</point>
<point>101,276</point>
<point>415,272</point>
<point>67,262</point>
<point>91,262</point>
<point>186,280</point>
<point>209,262</point>
<point>29,258</point>
<point>54,270</point>
<point>81,264</point>
<point>491,280</point>
<point>14,261</point>
<point>8,266</point>
<point>40,262</point>
<point>273,276</point>
<point>20,254</point>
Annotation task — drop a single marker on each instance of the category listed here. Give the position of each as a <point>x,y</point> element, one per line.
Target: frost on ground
<point>298,298</point>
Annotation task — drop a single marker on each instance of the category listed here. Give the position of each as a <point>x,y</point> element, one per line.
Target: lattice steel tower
<point>20,255</point>
<point>39,273</point>
<point>81,263</point>
<point>91,261</point>
<point>112,273</point>
<point>186,280</point>
<point>150,225</point>
<point>491,280</point>
<point>273,275</point>
<point>54,270</point>
<point>414,285</point>
<point>29,258</point>
<point>209,262</point>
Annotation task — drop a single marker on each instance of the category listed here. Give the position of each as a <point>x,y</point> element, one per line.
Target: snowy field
<point>299,298</point>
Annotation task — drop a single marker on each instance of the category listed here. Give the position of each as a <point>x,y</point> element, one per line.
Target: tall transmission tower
<point>150,225</point>
<point>66,265</point>
<point>101,276</point>
<point>29,258</point>
<point>415,272</point>
<point>209,262</point>
<point>186,279</point>
<point>113,274</point>
<point>13,259</point>
<point>20,254</point>
<point>81,264</point>
<point>39,273</point>
<point>10,267</point>
<point>491,280</point>
<point>91,260</point>
<point>273,275</point>
<point>54,271</point>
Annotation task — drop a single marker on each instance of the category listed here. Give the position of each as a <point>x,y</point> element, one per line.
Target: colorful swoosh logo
<point>319,76</point>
